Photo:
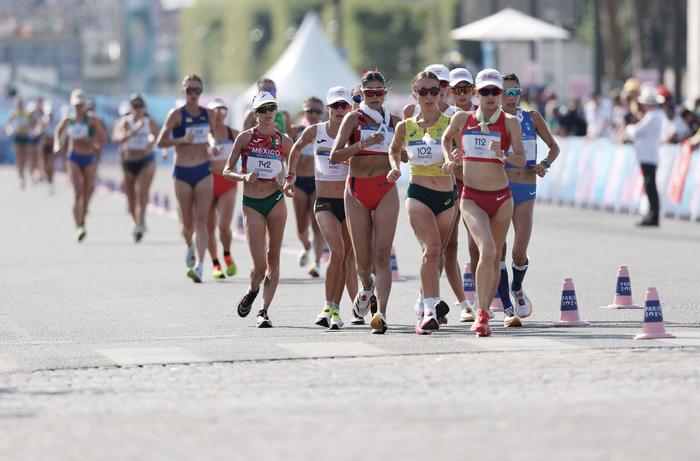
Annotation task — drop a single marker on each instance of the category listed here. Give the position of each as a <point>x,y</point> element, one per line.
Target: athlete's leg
<point>453,272</point>
<point>77,181</point>
<point>276,220</point>
<point>522,224</point>
<point>202,204</point>
<point>384,228</point>
<point>226,206</point>
<point>332,230</point>
<point>359,222</point>
<point>130,192</point>
<point>143,189</point>
<point>185,199</point>
<point>21,158</point>
<point>88,173</point>
<point>349,265</point>
<point>211,230</point>
<point>301,200</point>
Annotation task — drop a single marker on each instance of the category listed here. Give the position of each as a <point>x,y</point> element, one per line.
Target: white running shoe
<point>523,306</point>
<point>336,321</point>
<point>466,313</point>
<point>361,304</point>
<point>324,318</point>
<point>378,324</point>
<point>262,320</point>
<point>303,257</point>
<point>511,320</point>
<point>189,256</point>
<point>195,273</point>
<point>315,270</point>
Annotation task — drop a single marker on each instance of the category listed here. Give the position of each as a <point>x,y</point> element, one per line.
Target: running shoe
<point>246,303</point>
<point>189,256</point>
<point>315,270</point>
<point>510,319</point>
<point>441,311</point>
<point>230,266</point>
<point>419,320</point>
<point>262,320</point>
<point>373,304</point>
<point>362,302</point>
<point>336,321</point>
<point>466,313</point>
<point>138,234</point>
<point>356,320</point>
<point>491,314</point>
<point>481,324</point>
<point>429,321</point>
<point>218,273</point>
<point>324,318</point>
<point>378,324</point>
<point>80,233</point>
<point>195,273</point>
<point>303,257</point>
<point>523,307</point>
<point>22,183</point>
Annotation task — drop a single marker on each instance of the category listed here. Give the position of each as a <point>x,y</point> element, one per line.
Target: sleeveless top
<point>79,129</point>
<point>21,123</point>
<point>424,147</point>
<point>324,170</point>
<point>476,143</point>
<point>198,125</point>
<point>224,146</point>
<point>139,140</point>
<point>265,155</point>
<point>450,111</point>
<point>366,127</point>
<point>527,125</point>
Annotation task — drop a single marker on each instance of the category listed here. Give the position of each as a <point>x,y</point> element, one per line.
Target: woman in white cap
<point>430,198</point>
<point>443,74</point>
<point>263,151</point>
<point>282,119</point>
<point>136,133</point>
<point>330,205</point>
<point>223,201</point>
<point>371,202</point>
<point>305,190</point>
<point>646,136</point>
<point>187,130</point>
<point>85,138</point>
<point>485,135</point>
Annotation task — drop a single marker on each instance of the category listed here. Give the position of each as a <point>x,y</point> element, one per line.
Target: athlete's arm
<point>100,138</point>
<point>230,172</point>
<point>287,120</point>
<point>516,140</point>
<point>341,152</point>
<point>152,133</point>
<point>452,139</point>
<point>306,138</point>
<point>58,135</point>
<point>165,138</point>
<point>119,131</point>
<point>546,135</point>
<point>408,111</point>
<point>288,186</point>
<point>397,145</point>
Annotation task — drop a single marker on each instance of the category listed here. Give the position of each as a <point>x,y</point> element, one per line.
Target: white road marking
<point>332,349</point>
<point>517,343</point>
<point>151,355</point>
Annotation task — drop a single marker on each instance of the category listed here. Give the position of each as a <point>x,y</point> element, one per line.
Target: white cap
<point>77,97</point>
<point>217,103</point>
<point>489,77</point>
<point>137,96</point>
<point>442,72</point>
<point>263,98</point>
<point>124,108</point>
<point>649,95</point>
<point>338,93</point>
<point>460,74</point>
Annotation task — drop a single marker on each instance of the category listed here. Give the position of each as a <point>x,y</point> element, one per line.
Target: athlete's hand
<point>540,170</point>
<point>404,156</point>
<point>251,177</point>
<point>288,188</point>
<point>448,167</point>
<point>137,126</point>
<point>213,151</point>
<point>375,138</point>
<point>495,146</point>
<point>164,153</point>
<point>393,175</point>
<point>189,137</point>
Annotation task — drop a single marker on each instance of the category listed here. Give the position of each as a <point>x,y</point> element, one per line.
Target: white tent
<point>308,67</point>
<point>509,25</point>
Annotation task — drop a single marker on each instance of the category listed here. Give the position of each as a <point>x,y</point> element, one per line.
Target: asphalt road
<point>107,350</point>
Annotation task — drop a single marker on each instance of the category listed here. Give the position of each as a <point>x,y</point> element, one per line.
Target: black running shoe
<point>247,303</point>
<point>373,304</point>
<point>441,311</point>
<point>262,320</point>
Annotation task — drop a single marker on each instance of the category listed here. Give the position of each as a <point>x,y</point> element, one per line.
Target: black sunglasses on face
<point>339,105</point>
<point>433,91</point>
<point>490,91</point>
<point>194,90</point>
<point>310,110</point>
<point>137,105</point>
<point>266,109</point>
<point>357,98</point>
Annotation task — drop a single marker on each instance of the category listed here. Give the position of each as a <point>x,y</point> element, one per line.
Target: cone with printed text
<point>326,255</point>
<point>469,285</point>
<point>166,203</point>
<point>240,228</point>
<point>395,275</point>
<point>653,318</point>
<point>156,200</point>
<point>569,316</point>
<point>623,292</point>
<point>497,303</point>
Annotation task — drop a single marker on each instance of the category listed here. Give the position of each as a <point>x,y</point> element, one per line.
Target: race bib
<point>77,131</point>
<point>326,168</point>
<point>422,153</point>
<point>224,148</point>
<point>267,164</point>
<point>476,144</point>
<point>200,132</point>
<point>530,146</point>
<point>138,141</point>
<point>382,147</point>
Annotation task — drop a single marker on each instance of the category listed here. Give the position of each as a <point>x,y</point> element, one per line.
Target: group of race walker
<point>471,162</point>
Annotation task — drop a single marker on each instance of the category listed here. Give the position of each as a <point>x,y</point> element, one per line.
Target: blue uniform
<point>523,192</point>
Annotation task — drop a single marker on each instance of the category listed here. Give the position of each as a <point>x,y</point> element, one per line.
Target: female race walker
<point>223,202</point>
<point>85,138</point>
<point>282,120</point>
<point>485,136</point>
<point>187,130</point>
<point>523,186</point>
<point>19,126</point>
<point>263,150</point>
<point>136,133</point>
<point>305,191</point>
<point>330,205</point>
<point>430,198</point>
<point>371,202</point>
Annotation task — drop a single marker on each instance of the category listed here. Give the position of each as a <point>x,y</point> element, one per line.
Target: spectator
<point>646,136</point>
<point>674,129</point>
<point>573,122</point>
<point>598,116</point>
<point>619,109</point>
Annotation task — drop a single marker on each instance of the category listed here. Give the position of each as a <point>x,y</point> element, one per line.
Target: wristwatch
<point>547,164</point>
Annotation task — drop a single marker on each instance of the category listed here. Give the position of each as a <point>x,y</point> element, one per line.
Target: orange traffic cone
<point>326,255</point>
<point>395,275</point>
<point>497,303</point>
<point>469,285</point>
<point>653,319</point>
<point>623,292</point>
<point>569,307</point>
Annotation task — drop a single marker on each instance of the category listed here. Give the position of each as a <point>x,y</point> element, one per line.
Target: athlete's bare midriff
<point>485,176</point>
<point>367,166</point>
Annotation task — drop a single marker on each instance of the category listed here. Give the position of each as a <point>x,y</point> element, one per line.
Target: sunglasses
<point>266,108</point>
<point>313,111</point>
<point>194,90</point>
<point>489,91</point>
<point>357,98</point>
<point>375,93</point>
<point>339,105</point>
<point>433,91</point>
<point>137,106</point>
<point>462,89</point>
<point>512,91</point>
